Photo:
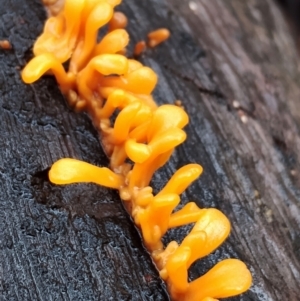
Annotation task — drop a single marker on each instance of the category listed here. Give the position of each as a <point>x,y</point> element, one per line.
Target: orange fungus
<point>102,81</point>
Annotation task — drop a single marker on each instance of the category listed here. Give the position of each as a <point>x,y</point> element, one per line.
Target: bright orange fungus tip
<point>158,36</point>
<point>102,81</point>
<point>139,48</point>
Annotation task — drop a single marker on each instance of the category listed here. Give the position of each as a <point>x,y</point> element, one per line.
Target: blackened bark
<point>57,243</point>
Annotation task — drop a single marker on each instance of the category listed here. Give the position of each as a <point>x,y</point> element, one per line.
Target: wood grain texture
<point>76,242</point>
<point>57,243</point>
<point>254,166</point>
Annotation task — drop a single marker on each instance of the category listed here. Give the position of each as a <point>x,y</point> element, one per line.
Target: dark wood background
<point>235,67</point>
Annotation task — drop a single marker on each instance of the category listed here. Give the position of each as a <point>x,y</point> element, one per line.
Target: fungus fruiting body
<point>158,36</point>
<point>102,81</point>
<point>139,48</point>
<point>5,44</point>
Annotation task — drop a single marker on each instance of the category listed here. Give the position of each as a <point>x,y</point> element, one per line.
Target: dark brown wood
<point>235,68</point>
<point>253,166</point>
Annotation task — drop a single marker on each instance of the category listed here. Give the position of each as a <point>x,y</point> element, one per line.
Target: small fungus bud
<point>118,21</point>
<point>158,36</point>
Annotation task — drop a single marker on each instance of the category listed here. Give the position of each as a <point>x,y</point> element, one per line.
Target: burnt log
<point>235,68</point>
<point>57,243</point>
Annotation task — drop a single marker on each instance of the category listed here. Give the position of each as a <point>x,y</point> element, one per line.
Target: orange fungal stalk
<point>230,276</point>
<point>67,171</point>
<point>98,17</point>
<point>48,62</point>
<point>103,82</point>
<point>100,66</point>
<point>61,32</point>
<point>113,42</point>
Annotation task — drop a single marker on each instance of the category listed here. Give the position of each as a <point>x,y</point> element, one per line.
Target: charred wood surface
<point>235,68</point>
<point>250,136</point>
<point>57,243</point>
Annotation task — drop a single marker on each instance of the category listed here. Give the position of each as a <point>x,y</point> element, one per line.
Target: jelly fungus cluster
<point>102,81</point>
